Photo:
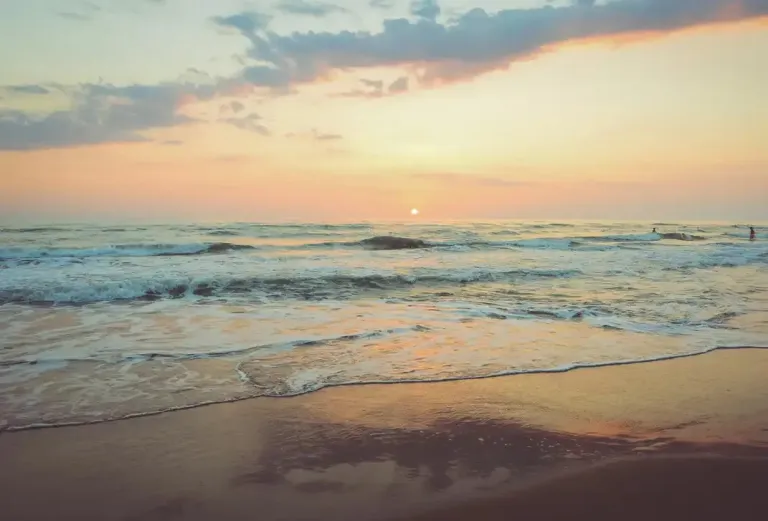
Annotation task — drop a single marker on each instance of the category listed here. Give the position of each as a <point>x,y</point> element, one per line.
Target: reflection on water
<point>98,323</point>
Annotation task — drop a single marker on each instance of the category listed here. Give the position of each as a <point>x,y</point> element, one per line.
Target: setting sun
<point>206,201</point>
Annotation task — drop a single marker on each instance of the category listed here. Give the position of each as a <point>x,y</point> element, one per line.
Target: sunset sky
<point>167,110</point>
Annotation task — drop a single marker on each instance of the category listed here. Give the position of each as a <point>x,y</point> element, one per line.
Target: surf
<point>121,250</point>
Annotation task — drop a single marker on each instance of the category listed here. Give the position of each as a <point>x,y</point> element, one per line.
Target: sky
<point>169,110</point>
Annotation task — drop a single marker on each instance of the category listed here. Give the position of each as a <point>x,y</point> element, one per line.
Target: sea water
<point>105,322</point>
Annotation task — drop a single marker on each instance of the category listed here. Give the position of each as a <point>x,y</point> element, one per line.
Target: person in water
<point>654,231</point>
<point>752,236</point>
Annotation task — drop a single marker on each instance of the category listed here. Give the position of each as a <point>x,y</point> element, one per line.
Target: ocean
<point>106,322</point>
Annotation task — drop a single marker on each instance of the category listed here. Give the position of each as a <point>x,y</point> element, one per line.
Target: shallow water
<point>104,322</point>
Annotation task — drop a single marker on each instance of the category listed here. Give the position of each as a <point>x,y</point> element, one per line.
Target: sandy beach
<point>383,260</point>
<point>655,488</point>
<point>665,440</point>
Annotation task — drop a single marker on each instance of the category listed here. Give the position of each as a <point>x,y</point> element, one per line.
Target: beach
<point>296,372</point>
<point>675,439</point>
<point>384,260</point>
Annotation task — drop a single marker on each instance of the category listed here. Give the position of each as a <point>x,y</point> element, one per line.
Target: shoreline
<point>398,451</point>
<point>509,374</point>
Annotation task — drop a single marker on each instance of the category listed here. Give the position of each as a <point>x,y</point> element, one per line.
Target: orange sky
<point>662,127</point>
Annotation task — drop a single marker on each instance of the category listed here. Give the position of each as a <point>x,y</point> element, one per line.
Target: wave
<point>588,243</point>
<point>582,242</point>
<point>305,287</point>
<point>71,229</point>
<point>644,237</point>
<point>558,244</point>
<point>718,321</point>
<point>272,230</point>
<point>637,237</point>
<point>679,236</point>
<point>541,226</point>
<point>227,353</point>
<point>577,243</point>
<point>322,226</point>
<point>271,234</point>
<point>396,243</point>
<point>389,242</point>
<point>745,234</point>
<point>121,250</point>
<point>264,378</point>
<point>120,229</point>
<point>294,385</point>
<point>220,233</point>
<point>41,229</point>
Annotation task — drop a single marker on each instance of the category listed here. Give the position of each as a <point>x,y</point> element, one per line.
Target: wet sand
<point>627,442</point>
<point>694,488</point>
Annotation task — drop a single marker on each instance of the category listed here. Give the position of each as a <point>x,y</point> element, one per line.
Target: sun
<point>414,211</point>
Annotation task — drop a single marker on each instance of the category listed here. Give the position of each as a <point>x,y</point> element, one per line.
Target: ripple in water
<point>162,318</point>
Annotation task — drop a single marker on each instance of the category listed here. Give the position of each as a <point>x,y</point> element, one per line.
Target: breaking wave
<point>273,382</point>
<point>303,287</point>
<point>40,229</point>
<point>147,356</point>
<point>120,250</point>
<point>582,243</point>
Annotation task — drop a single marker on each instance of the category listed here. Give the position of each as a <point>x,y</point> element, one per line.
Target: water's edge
<point>554,371</point>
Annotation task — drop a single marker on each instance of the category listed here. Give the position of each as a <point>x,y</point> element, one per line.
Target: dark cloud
<point>308,8</point>
<point>399,85</point>
<point>251,123</point>
<point>475,43</point>
<point>374,84</point>
<point>26,89</point>
<point>326,137</point>
<point>195,76</point>
<point>316,135</point>
<point>233,106</point>
<point>253,26</point>
<point>245,22</point>
<point>426,9</point>
<point>373,89</point>
<point>472,179</point>
<point>269,76</point>
<point>382,4</point>
<point>100,114</point>
<point>60,129</point>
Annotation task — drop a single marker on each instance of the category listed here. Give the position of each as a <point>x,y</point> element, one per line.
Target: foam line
<point>554,370</point>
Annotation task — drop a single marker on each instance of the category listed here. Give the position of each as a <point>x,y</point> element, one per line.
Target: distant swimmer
<point>654,230</point>
<point>752,235</point>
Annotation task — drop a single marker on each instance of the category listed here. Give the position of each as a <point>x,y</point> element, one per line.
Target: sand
<point>694,488</point>
<point>681,439</point>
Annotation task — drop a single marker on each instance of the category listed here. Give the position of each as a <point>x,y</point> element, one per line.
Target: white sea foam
<point>631,237</point>
<point>490,299</point>
<point>116,250</point>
